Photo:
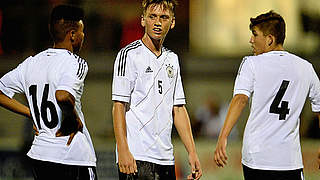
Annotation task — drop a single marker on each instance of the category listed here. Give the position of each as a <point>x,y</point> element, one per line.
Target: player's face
<point>157,21</point>
<point>258,41</point>
<point>79,37</point>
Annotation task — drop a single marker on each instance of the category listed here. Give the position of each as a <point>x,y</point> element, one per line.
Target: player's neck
<point>67,46</point>
<point>278,47</point>
<point>154,45</point>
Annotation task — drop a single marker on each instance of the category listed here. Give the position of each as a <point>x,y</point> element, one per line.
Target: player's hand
<point>36,132</point>
<point>220,155</point>
<point>70,128</point>
<point>196,171</point>
<point>319,158</point>
<point>127,164</point>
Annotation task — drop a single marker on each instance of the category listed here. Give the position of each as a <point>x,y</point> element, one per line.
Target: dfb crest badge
<point>170,70</point>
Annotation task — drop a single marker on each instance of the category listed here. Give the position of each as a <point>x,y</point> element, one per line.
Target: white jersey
<point>152,86</point>
<point>39,77</point>
<point>279,83</point>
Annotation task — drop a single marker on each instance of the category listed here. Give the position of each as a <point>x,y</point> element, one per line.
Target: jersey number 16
<point>45,104</point>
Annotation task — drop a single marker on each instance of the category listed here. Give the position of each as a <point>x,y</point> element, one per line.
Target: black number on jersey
<point>283,110</point>
<point>160,86</point>
<point>45,104</point>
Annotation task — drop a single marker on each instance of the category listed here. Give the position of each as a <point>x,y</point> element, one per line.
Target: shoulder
<point>247,60</point>
<point>74,64</point>
<point>131,49</point>
<point>74,60</point>
<point>171,54</point>
<point>300,59</point>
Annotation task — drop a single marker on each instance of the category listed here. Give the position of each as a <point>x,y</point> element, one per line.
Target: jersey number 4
<point>283,110</point>
<point>45,104</point>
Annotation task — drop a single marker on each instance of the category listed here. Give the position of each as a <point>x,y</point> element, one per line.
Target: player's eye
<point>152,16</point>
<point>165,17</point>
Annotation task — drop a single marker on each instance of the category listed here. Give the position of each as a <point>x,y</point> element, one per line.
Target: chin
<point>157,37</point>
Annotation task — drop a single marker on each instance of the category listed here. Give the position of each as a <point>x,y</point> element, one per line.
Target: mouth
<point>157,30</point>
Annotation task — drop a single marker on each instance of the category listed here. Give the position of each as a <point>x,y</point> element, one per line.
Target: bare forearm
<point>14,106</point>
<point>119,125</point>
<point>66,103</point>
<point>235,109</point>
<point>71,122</point>
<point>182,124</point>
<point>318,114</point>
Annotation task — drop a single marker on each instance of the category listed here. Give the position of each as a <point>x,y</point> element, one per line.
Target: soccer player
<point>148,99</point>
<point>278,83</point>
<point>53,83</point>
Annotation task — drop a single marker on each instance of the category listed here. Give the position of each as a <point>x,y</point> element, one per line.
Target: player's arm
<point>14,106</point>
<point>71,122</point>
<point>182,124</point>
<point>236,107</point>
<point>318,114</point>
<point>126,162</point>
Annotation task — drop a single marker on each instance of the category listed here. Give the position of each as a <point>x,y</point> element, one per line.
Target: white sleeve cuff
<point>6,91</point>
<point>179,101</point>
<point>315,107</point>
<point>241,91</point>
<point>122,98</point>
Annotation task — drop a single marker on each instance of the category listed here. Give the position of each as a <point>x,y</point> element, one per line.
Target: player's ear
<point>270,40</point>
<point>173,22</point>
<point>143,22</point>
<point>72,35</point>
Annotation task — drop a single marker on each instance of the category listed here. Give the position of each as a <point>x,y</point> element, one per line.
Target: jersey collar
<point>150,52</point>
<point>58,50</point>
<point>277,52</point>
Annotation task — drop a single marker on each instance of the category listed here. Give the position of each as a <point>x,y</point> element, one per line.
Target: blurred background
<point>211,37</point>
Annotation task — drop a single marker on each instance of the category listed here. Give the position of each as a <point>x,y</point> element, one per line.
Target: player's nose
<point>251,40</point>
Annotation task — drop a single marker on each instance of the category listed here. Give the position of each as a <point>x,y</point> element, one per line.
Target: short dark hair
<point>63,19</point>
<point>270,23</point>
<point>167,4</point>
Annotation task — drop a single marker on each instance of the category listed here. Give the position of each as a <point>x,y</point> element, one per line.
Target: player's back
<point>41,76</point>
<point>280,77</point>
<point>282,81</point>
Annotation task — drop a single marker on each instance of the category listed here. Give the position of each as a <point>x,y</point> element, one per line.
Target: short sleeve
<point>12,82</point>
<point>123,77</point>
<point>245,78</point>
<point>179,98</point>
<point>314,92</point>
<point>73,75</point>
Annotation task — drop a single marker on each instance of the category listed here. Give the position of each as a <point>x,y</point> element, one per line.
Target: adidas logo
<point>149,70</point>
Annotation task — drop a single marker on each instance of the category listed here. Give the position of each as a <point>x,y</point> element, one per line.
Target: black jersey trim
<point>240,67</point>
<point>180,99</point>
<point>123,57</point>
<point>3,84</point>
<point>81,68</point>
<point>121,54</point>
<point>84,67</point>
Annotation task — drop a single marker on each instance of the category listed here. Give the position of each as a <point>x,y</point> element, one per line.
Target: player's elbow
<point>64,97</point>
<point>241,99</point>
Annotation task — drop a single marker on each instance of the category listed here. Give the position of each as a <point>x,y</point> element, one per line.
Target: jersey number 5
<point>45,104</point>
<point>283,110</point>
<point>160,86</point>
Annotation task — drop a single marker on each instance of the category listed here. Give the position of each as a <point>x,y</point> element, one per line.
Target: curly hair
<point>63,19</point>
